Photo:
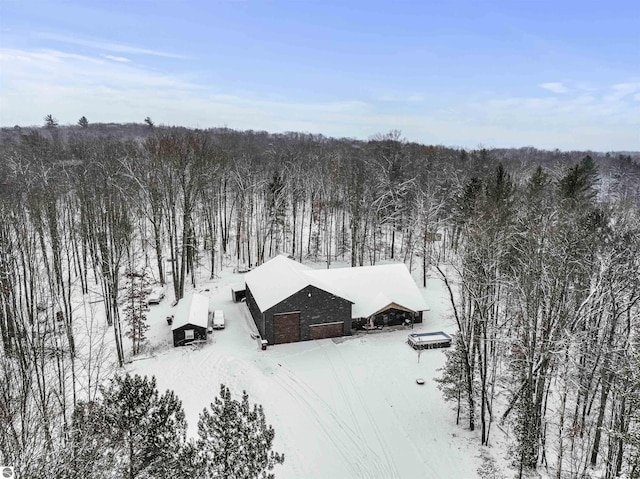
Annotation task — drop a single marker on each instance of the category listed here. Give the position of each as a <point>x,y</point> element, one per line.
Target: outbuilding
<point>238,292</point>
<point>190,319</point>
<point>292,302</point>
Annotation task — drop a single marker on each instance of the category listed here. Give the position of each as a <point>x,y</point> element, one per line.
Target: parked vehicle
<point>156,295</point>
<point>218,319</point>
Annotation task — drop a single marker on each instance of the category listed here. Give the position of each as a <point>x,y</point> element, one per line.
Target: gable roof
<point>192,309</point>
<point>371,289</point>
<point>279,278</point>
<point>376,288</point>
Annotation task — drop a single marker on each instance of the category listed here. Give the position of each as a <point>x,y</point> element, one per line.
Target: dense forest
<point>539,250</point>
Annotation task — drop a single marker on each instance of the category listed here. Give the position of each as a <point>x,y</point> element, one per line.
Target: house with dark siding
<point>190,319</point>
<point>291,302</point>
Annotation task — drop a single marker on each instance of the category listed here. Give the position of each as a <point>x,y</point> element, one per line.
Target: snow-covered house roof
<point>375,288</point>
<point>371,289</point>
<point>192,309</point>
<point>279,278</point>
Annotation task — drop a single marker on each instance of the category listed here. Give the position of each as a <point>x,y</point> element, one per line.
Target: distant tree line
<point>539,248</point>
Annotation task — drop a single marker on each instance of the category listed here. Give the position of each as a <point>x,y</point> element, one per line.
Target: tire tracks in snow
<point>341,444</point>
<point>351,446</point>
<point>426,468</point>
<point>385,468</point>
<point>392,470</point>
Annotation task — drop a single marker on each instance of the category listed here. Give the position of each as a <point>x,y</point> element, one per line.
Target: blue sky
<point>549,74</point>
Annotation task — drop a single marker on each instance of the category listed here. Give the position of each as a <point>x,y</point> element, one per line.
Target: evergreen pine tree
<point>537,196</point>
<point>85,455</point>
<point>579,183</point>
<point>144,431</point>
<point>50,122</point>
<point>136,308</point>
<point>235,440</point>
<point>452,381</point>
<point>133,432</point>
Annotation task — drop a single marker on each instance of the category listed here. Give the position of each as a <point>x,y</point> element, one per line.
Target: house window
<point>188,334</point>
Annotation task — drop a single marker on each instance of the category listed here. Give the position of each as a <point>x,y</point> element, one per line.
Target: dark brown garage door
<point>329,330</point>
<point>286,328</point>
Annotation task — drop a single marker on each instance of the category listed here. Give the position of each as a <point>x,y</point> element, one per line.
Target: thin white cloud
<point>116,59</point>
<point>74,85</point>
<point>53,67</point>
<point>399,98</point>
<point>620,91</point>
<point>555,87</point>
<point>107,46</point>
<point>35,83</point>
<point>627,88</point>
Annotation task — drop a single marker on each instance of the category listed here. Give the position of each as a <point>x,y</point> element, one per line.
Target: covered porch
<point>391,315</point>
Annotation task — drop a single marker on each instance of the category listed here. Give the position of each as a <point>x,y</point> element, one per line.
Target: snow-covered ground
<point>342,408</point>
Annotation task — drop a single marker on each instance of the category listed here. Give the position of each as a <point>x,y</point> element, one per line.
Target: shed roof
<point>371,289</point>
<point>192,309</point>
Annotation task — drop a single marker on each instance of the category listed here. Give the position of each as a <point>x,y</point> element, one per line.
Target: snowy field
<point>341,408</point>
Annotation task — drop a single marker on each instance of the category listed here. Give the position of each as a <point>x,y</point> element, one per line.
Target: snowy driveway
<point>346,408</point>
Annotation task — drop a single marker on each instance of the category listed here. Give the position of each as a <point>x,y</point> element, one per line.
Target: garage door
<point>286,328</point>
<point>328,330</point>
